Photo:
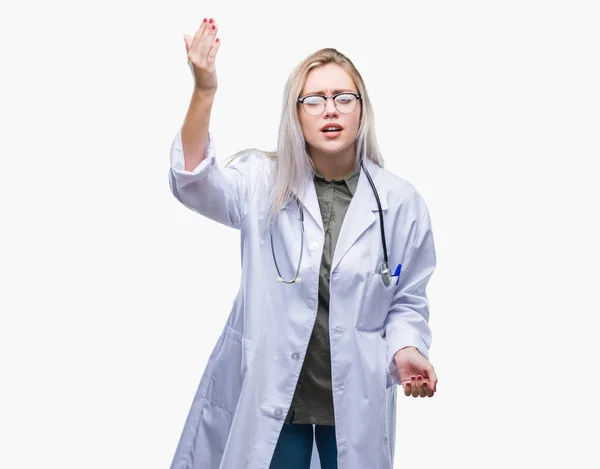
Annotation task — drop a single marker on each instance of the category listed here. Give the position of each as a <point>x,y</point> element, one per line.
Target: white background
<point>113,294</point>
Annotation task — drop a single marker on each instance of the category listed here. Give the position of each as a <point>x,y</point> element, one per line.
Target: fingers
<point>428,389</point>
<point>414,386</point>
<point>187,41</point>
<point>433,379</point>
<point>411,387</point>
<point>417,386</point>
<point>208,39</point>
<point>214,49</point>
<point>204,39</point>
<point>420,387</point>
<point>198,35</point>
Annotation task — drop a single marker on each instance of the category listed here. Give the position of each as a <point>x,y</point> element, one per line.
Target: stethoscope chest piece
<point>385,274</point>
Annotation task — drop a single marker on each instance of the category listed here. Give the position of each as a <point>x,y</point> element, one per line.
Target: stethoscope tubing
<point>296,279</point>
<point>385,273</point>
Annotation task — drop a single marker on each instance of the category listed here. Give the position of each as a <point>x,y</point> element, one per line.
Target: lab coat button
<point>295,356</point>
<point>278,413</point>
<point>338,330</point>
<point>313,246</point>
<point>336,275</point>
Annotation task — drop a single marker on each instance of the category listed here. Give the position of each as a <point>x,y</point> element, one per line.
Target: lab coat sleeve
<point>407,320</point>
<point>220,193</point>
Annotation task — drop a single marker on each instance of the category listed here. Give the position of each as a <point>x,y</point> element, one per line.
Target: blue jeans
<point>294,447</point>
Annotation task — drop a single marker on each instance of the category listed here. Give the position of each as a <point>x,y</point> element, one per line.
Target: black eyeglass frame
<point>301,100</point>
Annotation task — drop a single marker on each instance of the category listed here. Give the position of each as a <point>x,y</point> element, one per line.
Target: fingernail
<point>214,26</point>
<point>211,20</point>
<point>412,378</point>
<point>419,378</point>
<point>217,40</point>
<point>424,383</point>
<point>205,20</point>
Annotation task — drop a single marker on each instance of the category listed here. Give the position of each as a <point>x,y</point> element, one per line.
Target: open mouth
<point>331,130</point>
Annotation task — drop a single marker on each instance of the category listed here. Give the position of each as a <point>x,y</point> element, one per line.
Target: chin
<point>331,147</point>
<point>334,147</point>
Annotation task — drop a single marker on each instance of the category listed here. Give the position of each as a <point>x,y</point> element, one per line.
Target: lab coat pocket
<point>375,302</point>
<point>229,370</point>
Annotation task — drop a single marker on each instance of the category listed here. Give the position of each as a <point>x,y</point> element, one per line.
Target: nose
<point>330,108</point>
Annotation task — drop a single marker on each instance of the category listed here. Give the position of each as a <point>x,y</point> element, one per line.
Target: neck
<point>336,166</point>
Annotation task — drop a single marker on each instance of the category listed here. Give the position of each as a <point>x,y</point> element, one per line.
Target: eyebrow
<point>334,92</point>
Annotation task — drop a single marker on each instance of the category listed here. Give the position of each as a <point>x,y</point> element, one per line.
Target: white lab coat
<point>249,381</point>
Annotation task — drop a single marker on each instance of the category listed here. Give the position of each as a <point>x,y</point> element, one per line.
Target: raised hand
<point>201,52</point>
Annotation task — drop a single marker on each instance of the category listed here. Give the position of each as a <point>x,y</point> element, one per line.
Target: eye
<point>313,100</point>
<point>344,98</point>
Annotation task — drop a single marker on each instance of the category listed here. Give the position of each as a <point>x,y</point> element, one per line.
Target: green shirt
<point>313,399</point>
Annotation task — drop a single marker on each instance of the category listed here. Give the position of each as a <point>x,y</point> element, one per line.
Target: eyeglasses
<point>316,104</point>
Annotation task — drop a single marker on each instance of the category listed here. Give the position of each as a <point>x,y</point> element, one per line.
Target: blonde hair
<point>293,163</point>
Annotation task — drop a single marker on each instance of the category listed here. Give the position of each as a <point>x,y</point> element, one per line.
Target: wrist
<point>205,95</point>
<point>407,347</point>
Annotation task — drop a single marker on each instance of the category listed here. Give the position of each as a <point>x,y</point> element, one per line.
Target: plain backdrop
<point>113,294</point>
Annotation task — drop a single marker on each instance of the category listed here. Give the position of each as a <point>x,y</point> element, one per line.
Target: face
<point>328,80</point>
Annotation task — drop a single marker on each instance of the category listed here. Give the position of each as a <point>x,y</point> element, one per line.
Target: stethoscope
<point>384,271</point>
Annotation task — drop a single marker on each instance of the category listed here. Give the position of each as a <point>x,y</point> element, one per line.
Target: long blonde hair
<point>293,163</point>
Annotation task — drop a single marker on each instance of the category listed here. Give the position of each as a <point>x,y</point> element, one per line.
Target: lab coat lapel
<point>308,196</point>
<point>362,212</point>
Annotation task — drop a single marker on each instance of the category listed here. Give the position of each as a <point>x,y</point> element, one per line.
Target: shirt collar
<point>351,179</point>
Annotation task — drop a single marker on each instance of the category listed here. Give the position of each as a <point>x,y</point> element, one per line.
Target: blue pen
<point>397,273</point>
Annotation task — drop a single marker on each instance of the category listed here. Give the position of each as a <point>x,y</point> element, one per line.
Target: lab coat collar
<point>361,214</point>
<point>374,170</point>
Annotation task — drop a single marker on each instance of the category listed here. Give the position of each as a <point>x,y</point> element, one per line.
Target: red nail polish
<point>412,378</point>
<point>205,20</point>
<point>419,378</point>
<point>217,40</point>
<point>214,26</point>
<point>211,20</point>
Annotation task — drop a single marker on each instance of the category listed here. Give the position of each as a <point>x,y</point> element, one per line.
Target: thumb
<point>187,41</point>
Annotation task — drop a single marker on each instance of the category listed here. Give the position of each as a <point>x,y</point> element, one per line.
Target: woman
<point>321,331</point>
